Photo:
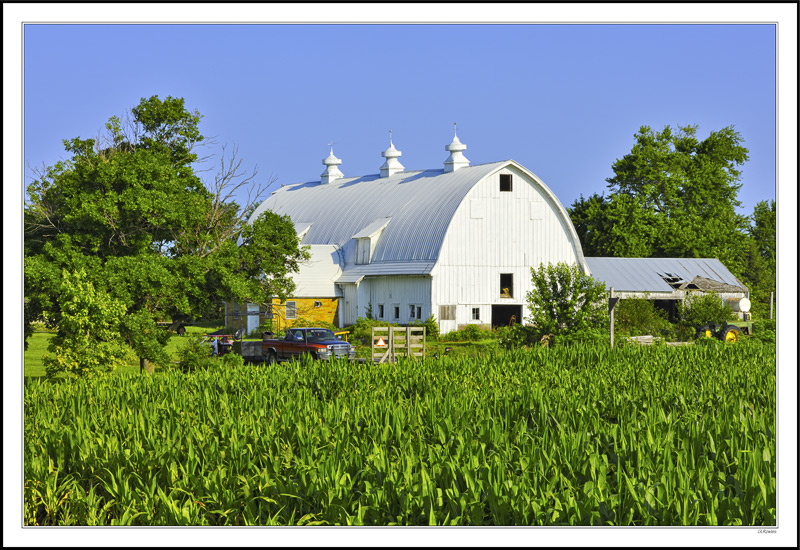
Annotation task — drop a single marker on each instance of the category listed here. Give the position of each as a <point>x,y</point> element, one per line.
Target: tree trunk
<point>141,365</point>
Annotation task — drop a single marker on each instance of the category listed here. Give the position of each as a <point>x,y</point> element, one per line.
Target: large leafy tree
<point>673,195</point>
<point>131,211</point>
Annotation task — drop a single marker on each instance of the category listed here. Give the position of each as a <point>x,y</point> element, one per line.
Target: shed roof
<point>653,274</point>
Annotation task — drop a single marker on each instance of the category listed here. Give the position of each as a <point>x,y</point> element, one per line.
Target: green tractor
<point>730,331</point>
<point>727,331</point>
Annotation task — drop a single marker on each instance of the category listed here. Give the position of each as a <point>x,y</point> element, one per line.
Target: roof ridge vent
<point>392,165</point>
<point>456,159</point>
<point>332,171</point>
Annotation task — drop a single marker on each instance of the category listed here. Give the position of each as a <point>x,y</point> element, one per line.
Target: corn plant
<point>580,435</point>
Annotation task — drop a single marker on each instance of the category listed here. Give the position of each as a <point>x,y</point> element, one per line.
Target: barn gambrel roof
<point>420,204</point>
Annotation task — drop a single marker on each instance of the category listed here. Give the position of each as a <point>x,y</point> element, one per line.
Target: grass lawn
<point>40,340</point>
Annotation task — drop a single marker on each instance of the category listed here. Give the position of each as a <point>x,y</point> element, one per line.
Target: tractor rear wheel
<point>705,331</point>
<point>729,334</point>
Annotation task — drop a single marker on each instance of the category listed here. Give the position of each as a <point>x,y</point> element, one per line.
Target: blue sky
<point>563,100</point>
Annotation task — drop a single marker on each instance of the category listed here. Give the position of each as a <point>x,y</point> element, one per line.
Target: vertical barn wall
<point>495,232</point>
<point>396,290</point>
<point>349,304</point>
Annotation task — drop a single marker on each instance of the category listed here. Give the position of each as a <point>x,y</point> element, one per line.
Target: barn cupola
<point>456,159</point>
<point>392,165</point>
<point>332,171</point>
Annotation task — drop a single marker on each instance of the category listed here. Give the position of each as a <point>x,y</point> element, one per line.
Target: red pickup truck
<point>319,343</point>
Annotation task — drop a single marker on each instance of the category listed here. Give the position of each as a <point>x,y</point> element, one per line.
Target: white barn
<point>457,242</point>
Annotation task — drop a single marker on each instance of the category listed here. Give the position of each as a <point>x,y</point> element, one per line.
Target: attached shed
<point>666,280</point>
<point>457,243</point>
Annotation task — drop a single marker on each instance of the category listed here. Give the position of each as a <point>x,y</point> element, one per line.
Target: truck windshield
<point>319,335</point>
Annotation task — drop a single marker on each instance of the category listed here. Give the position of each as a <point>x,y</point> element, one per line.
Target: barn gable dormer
<point>367,238</point>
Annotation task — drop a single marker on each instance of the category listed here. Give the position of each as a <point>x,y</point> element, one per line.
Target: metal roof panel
<point>645,274</point>
<point>420,204</point>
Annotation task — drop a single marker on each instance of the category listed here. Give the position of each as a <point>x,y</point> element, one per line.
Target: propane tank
<point>741,306</point>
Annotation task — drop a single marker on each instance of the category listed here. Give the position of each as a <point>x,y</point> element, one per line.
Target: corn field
<point>570,436</point>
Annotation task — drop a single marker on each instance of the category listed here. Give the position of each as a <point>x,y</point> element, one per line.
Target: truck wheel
<point>272,357</point>
<point>706,331</point>
<point>729,334</point>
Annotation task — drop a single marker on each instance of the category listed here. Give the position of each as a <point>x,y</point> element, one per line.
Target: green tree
<point>133,213</point>
<point>673,195</point>
<point>565,300</point>
<point>760,257</point>
<point>88,341</point>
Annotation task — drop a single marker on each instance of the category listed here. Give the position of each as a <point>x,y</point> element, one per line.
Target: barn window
<point>447,313</point>
<point>291,310</point>
<point>506,285</point>
<point>419,312</point>
<point>411,310</point>
<point>396,312</point>
<point>505,182</point>
<point>380,311</point>
<point>476,314</point>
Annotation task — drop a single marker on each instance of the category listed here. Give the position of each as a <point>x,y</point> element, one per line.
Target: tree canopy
<point>132,213</point>
<point>673,195</point>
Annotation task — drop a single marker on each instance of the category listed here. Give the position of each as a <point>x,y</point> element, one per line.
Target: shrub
<point>470,333</point>
<point>431,327</point>
<point>517,336</point>
<point>195,354</point>
<point>638,317</point>
<point>697,310</point>
<point>564,299</point>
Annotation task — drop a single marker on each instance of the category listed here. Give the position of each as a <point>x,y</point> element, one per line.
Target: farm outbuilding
<point>667,280</point>
<point>456,242</point>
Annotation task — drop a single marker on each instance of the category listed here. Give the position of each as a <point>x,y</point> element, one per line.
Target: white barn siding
<point>348,309</point>
<point>495,232</point>
<point>397,290</point>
